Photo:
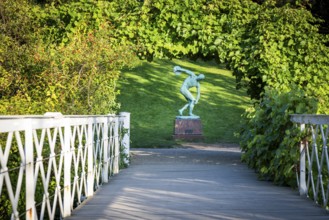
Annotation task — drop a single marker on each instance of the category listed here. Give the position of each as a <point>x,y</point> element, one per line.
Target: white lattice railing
<point>313,174</point>
<point>50,164</point>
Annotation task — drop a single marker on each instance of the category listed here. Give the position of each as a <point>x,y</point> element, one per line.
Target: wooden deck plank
<point>194,183</point>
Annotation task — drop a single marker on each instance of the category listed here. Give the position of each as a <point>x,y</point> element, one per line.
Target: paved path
<point>195,182</point>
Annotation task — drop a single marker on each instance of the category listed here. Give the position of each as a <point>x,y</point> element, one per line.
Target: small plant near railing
<point>269,140</point>
<point>124,160</point>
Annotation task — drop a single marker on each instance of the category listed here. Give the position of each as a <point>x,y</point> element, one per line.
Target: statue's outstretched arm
<point>178,70</point>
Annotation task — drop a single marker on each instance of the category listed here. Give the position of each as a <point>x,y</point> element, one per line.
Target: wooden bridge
<point>73,163</point>
<point>194,182</point>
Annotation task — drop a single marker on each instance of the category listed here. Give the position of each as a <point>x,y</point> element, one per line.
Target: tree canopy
<point>46,47</point>
<point>59,57</point>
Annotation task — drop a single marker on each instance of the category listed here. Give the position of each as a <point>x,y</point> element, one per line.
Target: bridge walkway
<point>196,181</point>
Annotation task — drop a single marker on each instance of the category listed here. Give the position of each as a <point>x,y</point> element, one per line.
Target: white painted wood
<point>302,176</point>
<point>29,173</point>
<point>67,169</point>
<point>314,161</point>
<point>68,155</point>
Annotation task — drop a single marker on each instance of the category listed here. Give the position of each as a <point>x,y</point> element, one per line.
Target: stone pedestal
<point>187,128</point>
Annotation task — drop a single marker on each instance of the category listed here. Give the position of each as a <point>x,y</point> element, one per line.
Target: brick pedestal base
<point>188,129</point>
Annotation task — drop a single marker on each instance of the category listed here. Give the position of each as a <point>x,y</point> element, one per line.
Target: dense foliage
<point>263,44</point>
<point>60,58</point>
<point>284,52</point>
<point>269,139</point>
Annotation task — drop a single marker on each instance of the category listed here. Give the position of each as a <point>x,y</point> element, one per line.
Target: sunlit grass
<point>150,92</point>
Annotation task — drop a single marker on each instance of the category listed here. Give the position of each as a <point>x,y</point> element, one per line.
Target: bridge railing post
<point>29,173</point>
<point>116,147</point>
<point>105,141</point>
<point>67,168</point>
<point>90,159</point>
<point>302,165</point>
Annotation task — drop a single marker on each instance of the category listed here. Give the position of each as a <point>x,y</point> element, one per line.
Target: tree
<point>70,64</point>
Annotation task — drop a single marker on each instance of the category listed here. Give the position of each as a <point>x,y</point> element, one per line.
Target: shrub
<point>269,139</point>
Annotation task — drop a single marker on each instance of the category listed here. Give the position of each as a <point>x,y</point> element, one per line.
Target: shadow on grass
<point>151,93</point>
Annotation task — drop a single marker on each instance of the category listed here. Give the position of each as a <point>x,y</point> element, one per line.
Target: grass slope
<point>150,92</point>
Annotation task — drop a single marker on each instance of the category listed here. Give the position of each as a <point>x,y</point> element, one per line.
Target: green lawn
<point>150,92</point>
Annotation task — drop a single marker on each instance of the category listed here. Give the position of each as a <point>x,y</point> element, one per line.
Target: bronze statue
<point>191,81</point>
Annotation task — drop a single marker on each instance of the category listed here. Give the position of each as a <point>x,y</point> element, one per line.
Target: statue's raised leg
<point>180,111</point>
